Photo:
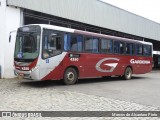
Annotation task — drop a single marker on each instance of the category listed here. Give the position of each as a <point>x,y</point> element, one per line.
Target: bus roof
<point>89,33</point>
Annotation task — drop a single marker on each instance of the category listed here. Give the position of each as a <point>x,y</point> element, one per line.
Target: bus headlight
<point>35,68</point>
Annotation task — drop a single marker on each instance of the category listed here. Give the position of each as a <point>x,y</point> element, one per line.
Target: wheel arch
<point>127,67</point>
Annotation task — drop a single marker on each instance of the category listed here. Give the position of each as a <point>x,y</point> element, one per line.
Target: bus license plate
<point>21,74</point>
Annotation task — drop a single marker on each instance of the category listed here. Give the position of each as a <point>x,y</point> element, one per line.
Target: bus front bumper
<point>30,75</point>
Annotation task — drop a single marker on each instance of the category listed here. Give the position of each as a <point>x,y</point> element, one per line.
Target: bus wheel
<point>128,73</point>
<point>70,76</point>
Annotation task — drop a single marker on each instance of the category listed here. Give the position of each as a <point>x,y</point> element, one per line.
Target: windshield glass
<point>27,42</point>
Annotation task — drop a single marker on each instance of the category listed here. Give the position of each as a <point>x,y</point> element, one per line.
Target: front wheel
<point>128,73</point>
<point>70,76</point>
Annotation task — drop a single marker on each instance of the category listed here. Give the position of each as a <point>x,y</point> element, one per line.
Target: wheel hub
<point>128,74</point>
<point>70,76</point>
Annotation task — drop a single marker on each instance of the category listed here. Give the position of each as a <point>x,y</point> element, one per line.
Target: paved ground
<point>143,89</point>
<point>139,94</point>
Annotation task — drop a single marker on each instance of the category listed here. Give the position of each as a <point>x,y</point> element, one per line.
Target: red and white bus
<point>46,52</point>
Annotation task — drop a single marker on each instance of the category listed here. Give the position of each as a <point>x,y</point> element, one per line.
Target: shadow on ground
<point>51,83</point>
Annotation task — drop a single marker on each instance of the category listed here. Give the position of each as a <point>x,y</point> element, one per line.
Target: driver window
<point>52,43</point>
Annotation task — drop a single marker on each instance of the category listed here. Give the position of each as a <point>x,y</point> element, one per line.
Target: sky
<point>149,9</point>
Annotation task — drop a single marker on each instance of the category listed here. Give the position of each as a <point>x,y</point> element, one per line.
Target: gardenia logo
<point>133,61</point>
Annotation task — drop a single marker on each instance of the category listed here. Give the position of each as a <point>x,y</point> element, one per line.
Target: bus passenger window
<point>116,47</point>
<point>110,46</point>
<point>138,49</point>
<point>79,42</point>
<point>147,50</point>
<point>129,48</point>
<point>91,45</point>
<point>121,47</point>
<point>106,46</point>
<point>73,42</point>
<point>76,43</point>
<point>95,45</point>
<point>67,41</point>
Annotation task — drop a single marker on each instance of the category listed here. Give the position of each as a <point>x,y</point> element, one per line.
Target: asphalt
<point>142,89</point>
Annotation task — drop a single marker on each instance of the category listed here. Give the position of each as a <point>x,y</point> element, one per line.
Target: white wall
<point>9,21</point>
<point>2,37</point>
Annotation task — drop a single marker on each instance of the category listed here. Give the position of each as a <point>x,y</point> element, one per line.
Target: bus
<point>47,52</point>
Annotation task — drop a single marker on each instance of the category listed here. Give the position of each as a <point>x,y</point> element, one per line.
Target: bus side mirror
<point>9,38</point>
<point>10,35</point>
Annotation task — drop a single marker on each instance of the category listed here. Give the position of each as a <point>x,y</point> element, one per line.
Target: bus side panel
<point>52,68</point>
<point>92,65</point>
<point>95,65</point>
<point>141,68</point>
<point>109,65</point>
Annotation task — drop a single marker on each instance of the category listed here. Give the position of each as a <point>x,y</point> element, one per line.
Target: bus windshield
<point>27,43</point>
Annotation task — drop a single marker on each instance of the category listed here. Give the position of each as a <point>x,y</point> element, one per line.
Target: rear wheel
<point>127,73</point>
<point>70,76</point>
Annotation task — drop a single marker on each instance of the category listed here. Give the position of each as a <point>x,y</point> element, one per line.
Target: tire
<point>128,73</point>
<point>70,76</point>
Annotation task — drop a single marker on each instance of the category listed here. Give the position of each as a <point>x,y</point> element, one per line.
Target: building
<point>89,15</point>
